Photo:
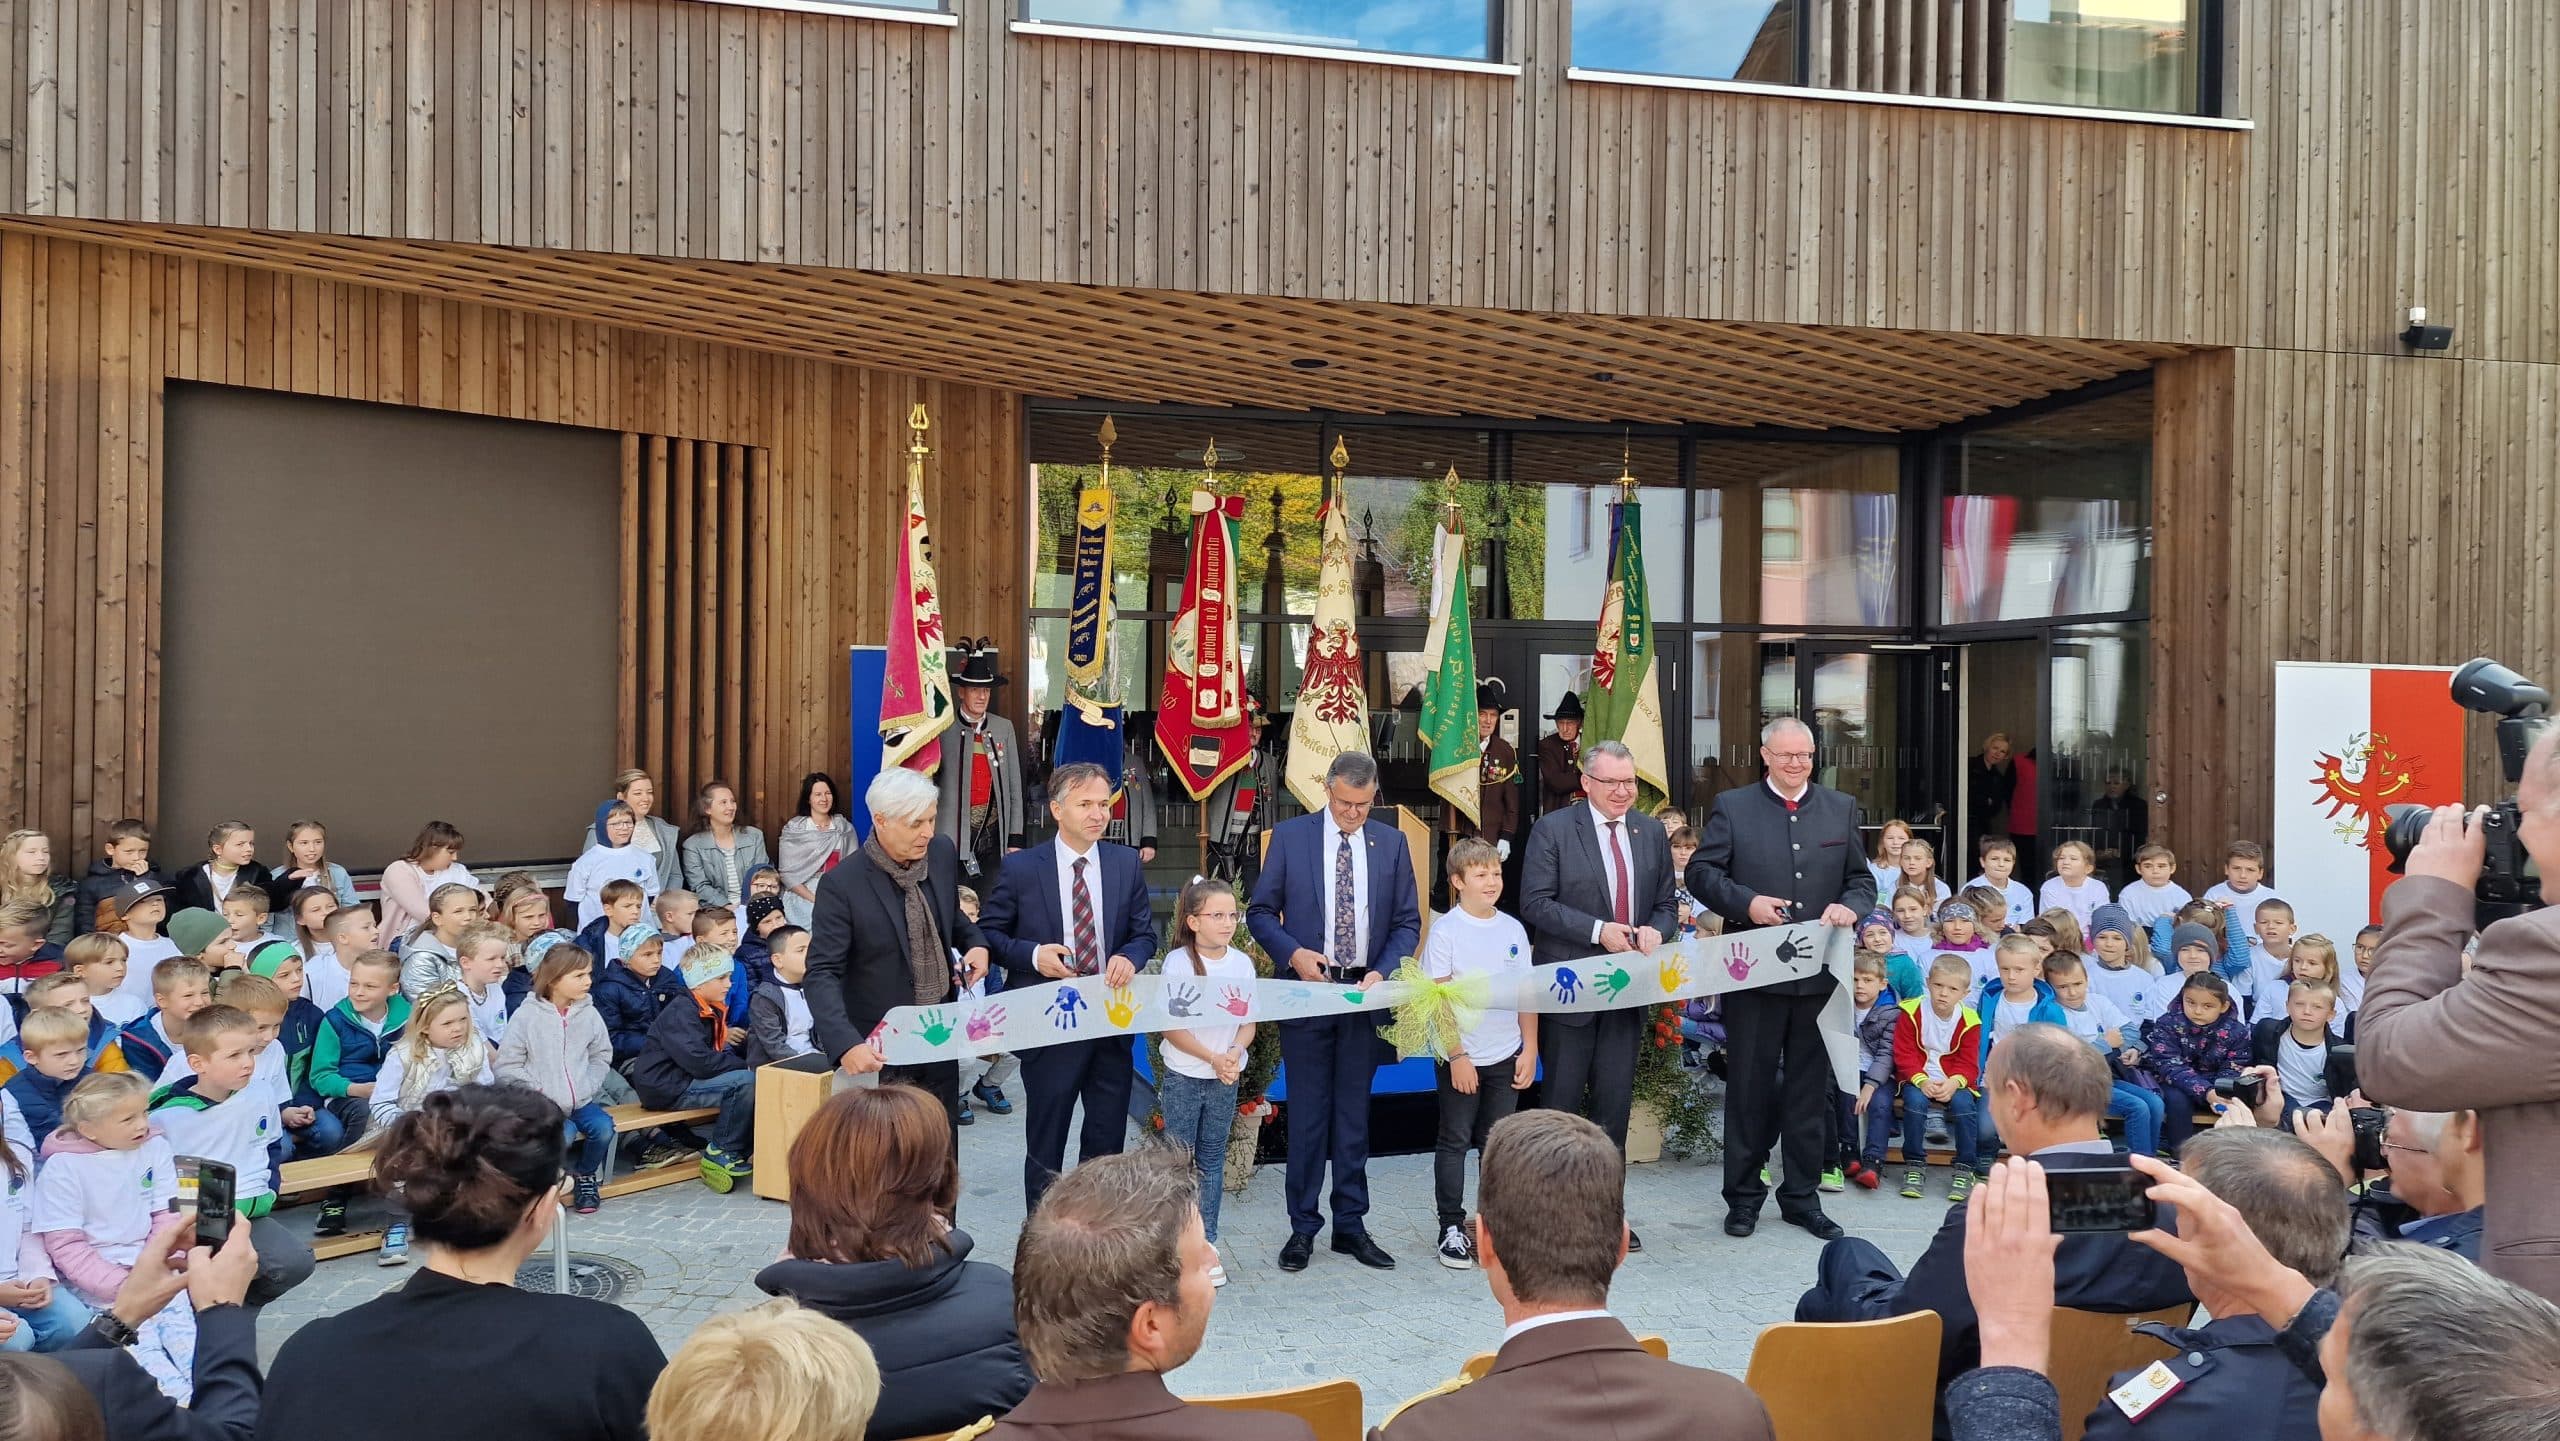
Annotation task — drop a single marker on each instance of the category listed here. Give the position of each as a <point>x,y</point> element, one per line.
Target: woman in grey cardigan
<point>718,855</point>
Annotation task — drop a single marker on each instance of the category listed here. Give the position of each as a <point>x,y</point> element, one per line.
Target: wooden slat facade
<point>769,457</point>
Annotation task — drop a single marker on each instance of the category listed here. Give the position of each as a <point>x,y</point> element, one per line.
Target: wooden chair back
<point>1330,1408</point>
<point>1482,1361</point>
<point>1875,1380</point>
<point>2089,1347</point>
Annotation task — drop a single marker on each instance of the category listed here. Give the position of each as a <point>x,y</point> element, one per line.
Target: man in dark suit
<point>227,1384</point>
<point>1550,1231</point>
<point>1120,1235</point>
<point>882,932</point>
<point>1335,903</point>
<point>1073,906</point>
<point>1782,851</point>
<point>1598,878</point>
<point>2047,1090</point>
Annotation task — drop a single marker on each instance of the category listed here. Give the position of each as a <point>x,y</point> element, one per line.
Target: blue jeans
<point>322,1137</point>
<point>1963,1108</point>
<point>1879,1127</point>
<point>590,1131</point>
<point>2143,1114</point>
<point>48,1327</point>
<point>734,1092</point>
<point>1199,1116</point>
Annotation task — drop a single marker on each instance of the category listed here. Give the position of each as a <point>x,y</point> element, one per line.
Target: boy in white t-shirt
<point>2155,891</point>
<point>2123,971</point>
<point>1497,1058</point>
<point>2097,1020</point>
<point>219,1111</point>
<point>2270,956</point>
<point>349,932</point>
<point>1999,872</point>
<point>2244,868</point>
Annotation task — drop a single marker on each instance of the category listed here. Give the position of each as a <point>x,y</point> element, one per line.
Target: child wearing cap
<point>1901,970</point>
<point>635,986</point>
<point>1959,934</point>
<point>2121,969</point>
<point>25,954</point>
<point>135,913</point>
<point>693,1057</point>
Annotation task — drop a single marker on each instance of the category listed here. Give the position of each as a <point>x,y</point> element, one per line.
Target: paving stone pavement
<point>1394,1332</point>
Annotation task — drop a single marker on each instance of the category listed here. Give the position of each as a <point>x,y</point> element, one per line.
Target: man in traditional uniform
<point>1234,815</point>
<point>981,809</point>
<point>1498,799</point>
<point>1560,757</point>
<point>1551,1231</point>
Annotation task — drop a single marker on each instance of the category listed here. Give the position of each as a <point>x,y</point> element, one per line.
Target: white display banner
<point>2350,741</point>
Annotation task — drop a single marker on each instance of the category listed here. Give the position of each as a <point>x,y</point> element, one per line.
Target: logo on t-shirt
<point>262,1128</point>
<point>150,1174</point>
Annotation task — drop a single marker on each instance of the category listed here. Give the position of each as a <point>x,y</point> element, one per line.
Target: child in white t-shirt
<point>1999,872</point>
<point>109,1175</point>
<point>2155,891</point>
<point>2243,888</point>
<point>1481,1081</point>
<point>2074,887</point>
<point>2123,971</point>
<point>2095,1019</point>
<point>1206,976</point>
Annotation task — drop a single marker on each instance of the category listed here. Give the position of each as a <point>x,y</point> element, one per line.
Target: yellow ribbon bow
<point>1435,1016</point>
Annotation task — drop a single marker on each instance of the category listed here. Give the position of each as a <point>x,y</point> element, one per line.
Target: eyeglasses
<point>1615,783</point>
<point>1790,755</point>
<point>2412,1150</point>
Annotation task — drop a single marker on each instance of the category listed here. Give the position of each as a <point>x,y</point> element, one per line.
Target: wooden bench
<point>355,1168</point>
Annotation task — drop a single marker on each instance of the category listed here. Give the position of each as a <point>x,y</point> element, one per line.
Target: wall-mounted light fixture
<point>2422,336</point>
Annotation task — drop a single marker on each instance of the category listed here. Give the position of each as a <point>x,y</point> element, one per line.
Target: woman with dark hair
<point>816,834</point>
<point>459,1351</point>
<point>720,854</point>
<point>873,1181</point>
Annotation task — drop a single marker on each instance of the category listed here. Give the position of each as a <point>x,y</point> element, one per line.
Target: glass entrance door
<point>1880,716</point>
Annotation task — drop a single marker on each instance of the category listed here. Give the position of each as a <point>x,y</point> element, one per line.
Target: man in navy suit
<point>1335,903</point>
<point>1073,906</point>
<point>2047,1090</point>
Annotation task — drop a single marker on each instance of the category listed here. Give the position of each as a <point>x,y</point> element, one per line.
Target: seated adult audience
<point>459,1351</point>
<point>1551,1229</point>
<point>1111,1291</point>
<point>2047,1091</point>
<point>2436,1192</point>
<point>2436,1034</point>
<point>873,1181</point>
<point>770,1373</point>
<point>2413,1345</point>
<point>122,1400</point>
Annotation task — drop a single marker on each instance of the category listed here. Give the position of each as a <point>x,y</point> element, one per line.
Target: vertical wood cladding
<point>780,466</point>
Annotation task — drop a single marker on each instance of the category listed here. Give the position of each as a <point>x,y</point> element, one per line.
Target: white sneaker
<point>1457,1250</point>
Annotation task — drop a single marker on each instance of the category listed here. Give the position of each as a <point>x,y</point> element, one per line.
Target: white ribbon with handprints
<point>1055,1012</point>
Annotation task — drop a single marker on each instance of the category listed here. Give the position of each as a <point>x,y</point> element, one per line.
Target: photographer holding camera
<point>2429,1036</point>
<point>2436,1190</point>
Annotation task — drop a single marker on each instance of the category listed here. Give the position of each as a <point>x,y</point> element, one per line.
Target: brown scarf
<point>925,956</point>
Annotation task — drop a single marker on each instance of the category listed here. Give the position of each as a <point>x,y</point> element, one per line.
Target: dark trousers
<point>1765,1034</point>
<point>1054,1079</point>
<point>1597,1056</point>
<point>938,1079</point>
<point>1464,1120</point>
<point>1330,1062</point>
<point>2177,1117</point>
<point>1852,1282</point>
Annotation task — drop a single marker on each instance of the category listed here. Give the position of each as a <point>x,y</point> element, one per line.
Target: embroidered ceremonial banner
<point>1449,691</point>
<point>2350,740</point>
<point>1200,724</point>
<point>1052,1012</point>
<point>1625,702</point>
<point>1089,607</point>
<point>1092,736</point>
<point>1332,714</point>
<point>915,691</point>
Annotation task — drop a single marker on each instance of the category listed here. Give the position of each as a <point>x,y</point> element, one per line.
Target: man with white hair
<point>882,933</point>
<point>1779,852</point>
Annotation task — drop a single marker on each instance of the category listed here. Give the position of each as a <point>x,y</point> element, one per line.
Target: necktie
<point>1088,949</point>
<point>1346,923</point>
<point>1618,881</point>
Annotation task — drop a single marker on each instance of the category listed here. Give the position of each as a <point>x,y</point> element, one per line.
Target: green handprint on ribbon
<point>1610,983</point>
<point>1355,997</point>
<point>937,1029</point>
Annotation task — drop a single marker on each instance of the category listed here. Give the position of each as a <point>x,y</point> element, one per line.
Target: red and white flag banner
<point>2350,741</point>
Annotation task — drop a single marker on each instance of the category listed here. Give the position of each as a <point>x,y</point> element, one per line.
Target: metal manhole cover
<point>598,1278</point>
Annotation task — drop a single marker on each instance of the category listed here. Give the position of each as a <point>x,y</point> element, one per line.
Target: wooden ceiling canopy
<point>1165,347</point>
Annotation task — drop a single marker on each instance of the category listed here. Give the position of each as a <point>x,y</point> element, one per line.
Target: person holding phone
<point>211,1283</point>
<point>2048,1090</point>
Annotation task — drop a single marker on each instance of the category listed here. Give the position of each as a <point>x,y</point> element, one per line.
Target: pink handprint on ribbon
<point>1738,962</point>
<point>1235,1002</point>
<point>982,1024</point>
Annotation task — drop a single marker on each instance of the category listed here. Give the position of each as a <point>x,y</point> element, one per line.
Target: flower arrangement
<point>1674,1092</point>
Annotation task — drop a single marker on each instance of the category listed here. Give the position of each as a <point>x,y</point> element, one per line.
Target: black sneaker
<point>1457,1249</point>
<point>333,1218</point>
<point>991,1099</point>
<point>586,1195</point>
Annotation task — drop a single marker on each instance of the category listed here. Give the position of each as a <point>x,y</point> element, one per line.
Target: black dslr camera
<point>2250,1091</point>
<point>2509,885</point>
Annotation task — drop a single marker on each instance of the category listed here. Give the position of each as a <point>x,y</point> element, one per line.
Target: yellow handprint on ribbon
<point>1121,1007</point>
<point>1674,974</point>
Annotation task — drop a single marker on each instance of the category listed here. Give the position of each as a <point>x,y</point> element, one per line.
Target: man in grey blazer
<point>1775,852</point>
<point>1597,878</point>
